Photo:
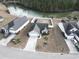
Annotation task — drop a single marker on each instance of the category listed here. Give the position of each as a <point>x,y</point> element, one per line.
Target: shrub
<point>16,41</point>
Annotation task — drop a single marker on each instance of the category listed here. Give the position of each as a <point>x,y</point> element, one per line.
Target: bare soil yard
<point>22,36</point>
<point>55,42</point>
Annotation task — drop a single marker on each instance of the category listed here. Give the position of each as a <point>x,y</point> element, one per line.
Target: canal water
<point>20,10</point>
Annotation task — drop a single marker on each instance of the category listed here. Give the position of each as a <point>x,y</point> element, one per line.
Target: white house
<point>35,31</point>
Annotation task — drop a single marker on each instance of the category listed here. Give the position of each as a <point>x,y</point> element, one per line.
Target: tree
<point>51,5</point>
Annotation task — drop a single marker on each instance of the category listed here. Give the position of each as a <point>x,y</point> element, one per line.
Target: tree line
<point>51,5</point>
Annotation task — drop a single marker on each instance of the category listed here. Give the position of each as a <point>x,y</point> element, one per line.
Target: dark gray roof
<point>77,33</point>
<point>40,25</point>
<point>67,27</point>
<point>19,22</point>
<point>74,24</point>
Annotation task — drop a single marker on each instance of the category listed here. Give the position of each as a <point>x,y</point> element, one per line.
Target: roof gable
<point>36,28</point>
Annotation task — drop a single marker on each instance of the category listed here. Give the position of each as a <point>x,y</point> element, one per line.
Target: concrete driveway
<point>5,41</point>
<point>71,46</point>
<point>31,44</point>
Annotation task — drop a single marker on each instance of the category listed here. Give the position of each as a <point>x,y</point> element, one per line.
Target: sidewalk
<point>5,41</point>
<point>71,46</point>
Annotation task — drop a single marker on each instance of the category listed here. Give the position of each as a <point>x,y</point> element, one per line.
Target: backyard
<point>54,42</point>
<point>20,40</point>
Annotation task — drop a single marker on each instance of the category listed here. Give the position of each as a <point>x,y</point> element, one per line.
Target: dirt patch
<point>22,36</point>
<point>55,42</point>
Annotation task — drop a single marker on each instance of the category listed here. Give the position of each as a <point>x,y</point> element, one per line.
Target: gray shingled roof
<point>19,22</point>
<point>40,25</point>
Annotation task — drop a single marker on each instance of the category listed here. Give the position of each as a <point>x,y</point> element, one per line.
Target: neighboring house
<point>71,31</point>
<point>18,24</point>
<point>15,26</point>
<point>37,29</point>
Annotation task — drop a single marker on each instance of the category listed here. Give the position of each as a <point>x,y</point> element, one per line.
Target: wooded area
<point>51,5</point>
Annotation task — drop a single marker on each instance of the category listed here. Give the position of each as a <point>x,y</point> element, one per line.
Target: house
<point>35,32</point>
<point>71,32</point>
<point>14,26</point>
<point>37,29</point>
<point>18,24</point>
<point>63,27</point>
